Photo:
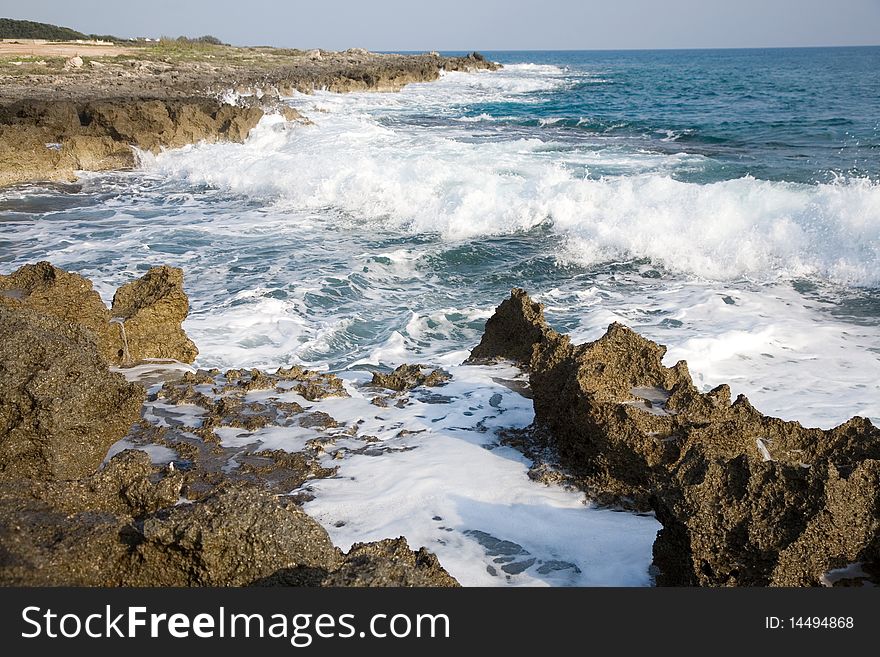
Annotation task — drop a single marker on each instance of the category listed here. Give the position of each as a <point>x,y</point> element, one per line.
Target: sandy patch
<point>40,48</point>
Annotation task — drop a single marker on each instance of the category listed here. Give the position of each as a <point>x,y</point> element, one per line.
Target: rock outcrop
<point>49,290</point>
<point>145,321</point>
<point>52,139</point>
<point>151,311</point>
<point>744,499</point>
<point>60,406</point>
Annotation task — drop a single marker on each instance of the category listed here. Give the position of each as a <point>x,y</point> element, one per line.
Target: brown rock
<point>389,562</point>
<point>60,407</point>
<point>152,310</point>
<point>511,333</point>
<point>235,537</point>
<point>79,533</point>
<point>67,296</point>
<point>145,321</point>
<point>52,139</point>
<point>406,377</point>
<point>744,499</point>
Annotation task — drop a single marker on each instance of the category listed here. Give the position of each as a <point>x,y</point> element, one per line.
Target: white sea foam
<point>445,483</point>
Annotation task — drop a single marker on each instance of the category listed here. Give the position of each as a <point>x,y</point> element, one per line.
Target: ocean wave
<point>425,182</point>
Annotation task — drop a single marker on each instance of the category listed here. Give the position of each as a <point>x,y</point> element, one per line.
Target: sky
<point>475,24</point>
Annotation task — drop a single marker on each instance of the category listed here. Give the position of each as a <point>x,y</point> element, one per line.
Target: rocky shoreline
<point>744,499</point>
<point>88,116</point>
<point>71,516</point>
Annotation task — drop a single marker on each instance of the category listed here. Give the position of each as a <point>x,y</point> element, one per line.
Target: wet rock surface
<point>60,406</point>
<point>407,377</point>
<point>389,562</point>
<point>744,499</point>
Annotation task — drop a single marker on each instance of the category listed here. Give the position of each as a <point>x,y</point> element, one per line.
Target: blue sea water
<point>795,114</point>
<point>725,203</point>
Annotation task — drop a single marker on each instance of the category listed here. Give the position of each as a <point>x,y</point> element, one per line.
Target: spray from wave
<point>430,182</point>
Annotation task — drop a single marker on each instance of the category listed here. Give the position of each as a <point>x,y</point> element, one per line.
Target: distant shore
<point>69,106</point>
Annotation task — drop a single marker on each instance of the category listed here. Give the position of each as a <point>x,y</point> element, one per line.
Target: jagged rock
<point>52,291</point>
<point>406,377</point>
<point>390,562</point>
<point>511,333</point>
<point>744,499</point>
<point>152,310</point>
<point>234,537</point>
<point>78,533</point>
<point>148,312</point>
<point>60,406</point>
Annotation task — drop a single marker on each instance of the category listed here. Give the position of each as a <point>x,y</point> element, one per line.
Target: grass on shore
<point>15,65</point>
<point>174,51</point>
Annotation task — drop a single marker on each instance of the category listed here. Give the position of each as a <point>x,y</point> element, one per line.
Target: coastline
<point>610,420</point>
<point>148,524</point>
<point>87,113</point>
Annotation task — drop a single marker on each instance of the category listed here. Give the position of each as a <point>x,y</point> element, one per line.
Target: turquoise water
<point>800,115</point>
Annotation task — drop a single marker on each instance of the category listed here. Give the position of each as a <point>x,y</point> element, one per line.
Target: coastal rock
<point>98,135</point>
<point>511,333</point>
<point>743,498</point>
<point>390,562</point>
<point>79,533</point>
<point>235,537</point>
<point>52,291</point>
<point>151,311</point>
<point>60,406</point>
<point>406,377</point>
<point>128,526</point>
<point>145,321</point>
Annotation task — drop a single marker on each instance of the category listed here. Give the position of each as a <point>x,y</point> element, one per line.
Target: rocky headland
<point>87,113</point>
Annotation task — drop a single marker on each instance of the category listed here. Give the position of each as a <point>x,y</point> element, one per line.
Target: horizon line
<point>862,45</point>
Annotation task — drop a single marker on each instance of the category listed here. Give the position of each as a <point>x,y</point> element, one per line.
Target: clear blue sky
<point>475,24</point>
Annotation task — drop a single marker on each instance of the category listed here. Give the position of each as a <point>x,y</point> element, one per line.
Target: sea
<point>724,203</point>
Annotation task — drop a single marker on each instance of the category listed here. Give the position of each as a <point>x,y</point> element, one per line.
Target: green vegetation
<point>177,50</point>
<point>15,29</point>
<point>16,66</point>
